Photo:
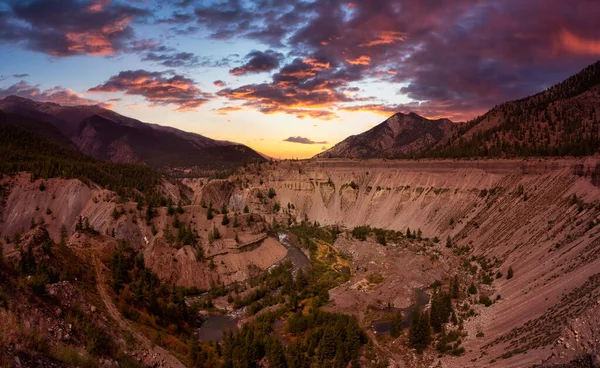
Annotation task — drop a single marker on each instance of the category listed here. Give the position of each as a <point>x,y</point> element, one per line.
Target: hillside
<point>560,121</point>
<point>563,120</point>
<point>399,136</point>
<point>106,135</point>
<point>50,155</point>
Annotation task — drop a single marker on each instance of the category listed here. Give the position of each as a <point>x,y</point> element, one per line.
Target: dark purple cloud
<point>302,140</point>
<point>69,27</point>
<point>158,88</point>
<point>258,62</point>
<point>454,58</point>
<point>173,60</point>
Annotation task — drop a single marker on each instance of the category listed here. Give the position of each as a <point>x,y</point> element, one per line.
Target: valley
<point>470,220</point>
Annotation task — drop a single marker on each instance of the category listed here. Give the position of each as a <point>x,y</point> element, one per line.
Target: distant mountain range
<point>107,135</point>
<point>563,120</point>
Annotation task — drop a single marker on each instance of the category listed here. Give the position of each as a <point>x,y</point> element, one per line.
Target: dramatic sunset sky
<point>291,77</point>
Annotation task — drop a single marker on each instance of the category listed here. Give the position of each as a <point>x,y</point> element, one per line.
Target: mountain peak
<point>401,135</point>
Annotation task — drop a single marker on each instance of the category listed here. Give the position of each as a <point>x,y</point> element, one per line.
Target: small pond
<point>213,326</point>
<point>382,327</point>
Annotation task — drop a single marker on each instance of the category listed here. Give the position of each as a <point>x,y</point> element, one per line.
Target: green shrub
<point>485,300</point>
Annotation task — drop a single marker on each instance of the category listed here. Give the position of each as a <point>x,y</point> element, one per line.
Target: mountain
<point>563,120</point>
<point>107,135</point>
<point>399,136</point>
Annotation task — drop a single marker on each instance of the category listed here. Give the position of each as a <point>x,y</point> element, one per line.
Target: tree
<point>472,289</point>
<point>408,232</point>
<point>454,287</point>
<point>396,325</point>
<point>79,225</point>
<point>194,351</point>
<point>225,220</point>
<point>149,214</point>
<point>419,333</point>
<point>179,207</point>
<point>419,234</point>
<point>272,193</point>
<point>209,212</point>
<point>381,238</point>
<point>448,242</point>
<point>510,273</point>
<point>235,221</point>
<point>441,309</point>
<point>246,209</point>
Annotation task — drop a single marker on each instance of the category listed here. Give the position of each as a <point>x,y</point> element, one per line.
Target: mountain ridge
<point>562,120</point>
<point>130,140</point>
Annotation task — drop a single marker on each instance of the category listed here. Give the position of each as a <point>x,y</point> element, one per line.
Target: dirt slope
<point>538,216</point>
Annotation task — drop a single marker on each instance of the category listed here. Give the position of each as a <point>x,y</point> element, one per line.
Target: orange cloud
<point>227,109</point>
<point>385,38</point>
<point>578,45</point>
<point>98,6</point>
<point>316,64</point>
<point>158,88</point>
<point>362,60</point>
<point>97,43</point>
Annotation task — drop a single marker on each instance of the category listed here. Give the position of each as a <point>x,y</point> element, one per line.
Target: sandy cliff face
<point>538,216</point>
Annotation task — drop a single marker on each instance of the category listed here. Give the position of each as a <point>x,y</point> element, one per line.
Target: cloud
<point>302,140</point>
<point>173,60</point>
<point>59,95</point>
<point>450,58</point>
<point>579,45</point>
<point>227,109</point>
<point>69,27</point>
<point>258,62</point>
<point>157,88</point>
<point>219,83</point>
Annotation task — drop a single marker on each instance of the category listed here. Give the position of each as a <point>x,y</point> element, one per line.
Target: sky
<point>291,78</point>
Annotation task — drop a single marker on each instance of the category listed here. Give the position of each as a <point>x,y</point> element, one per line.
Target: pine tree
<point>448,242</point>
<point>396,325</point>
<point>454,287</point>
<point>420,332</point>
<point>225,220</point>
<point>510,273</point>
<point>79,225</point>
<point>209,213</point>
<point>408,232</point>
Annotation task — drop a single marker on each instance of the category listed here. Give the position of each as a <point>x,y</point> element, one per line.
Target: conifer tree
<point>396,325</point>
